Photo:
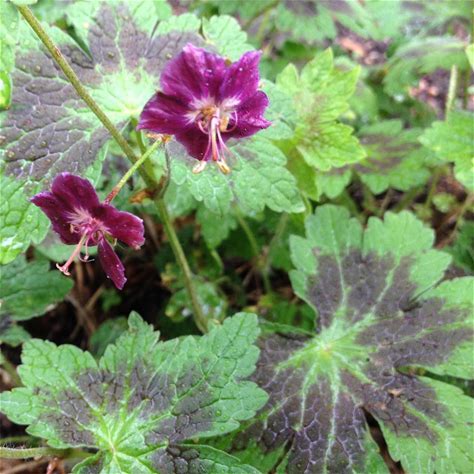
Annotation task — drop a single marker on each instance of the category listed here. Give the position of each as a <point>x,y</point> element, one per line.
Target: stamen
<point>214,134</point>
<point>199,167</point>
<point>77,251</point>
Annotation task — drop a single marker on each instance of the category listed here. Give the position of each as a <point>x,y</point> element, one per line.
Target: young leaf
<point>320,94</point>
<point>451,140</point>
<point>382,315</point>
<point>142,405</point>
<point>394,159</point>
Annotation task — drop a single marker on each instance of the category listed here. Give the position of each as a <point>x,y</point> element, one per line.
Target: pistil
<point>77,251</point>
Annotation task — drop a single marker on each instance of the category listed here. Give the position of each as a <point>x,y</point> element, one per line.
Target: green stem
<point>199,317</point>
<point>149,178</point>
<point>280,228</point>
<point>10,369</point>
<point>255,250</point>
<point>453,86</point>
<point>434,183</point>
<point>26,453</point>
<point>132,170</point>
<point>408,198</point>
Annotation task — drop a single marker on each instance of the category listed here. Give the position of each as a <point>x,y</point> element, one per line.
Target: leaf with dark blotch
<point>382,316</point>
<point>48,128</point>
<point>144,399</point>
<point>395,159</point>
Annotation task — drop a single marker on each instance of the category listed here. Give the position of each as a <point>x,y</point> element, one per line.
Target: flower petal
<point>111,264</point>
<point>193,74</point>
<point>74,192</point>
<point>250,118</point>
<point>163,114</point>
<point>58,214</point>
<point>241,78</point>
<point>195,142</point>
<point>122,225</point>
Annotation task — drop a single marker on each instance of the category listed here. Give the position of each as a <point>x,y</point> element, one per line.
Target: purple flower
<point>79,219</point>
<point>204,102</point>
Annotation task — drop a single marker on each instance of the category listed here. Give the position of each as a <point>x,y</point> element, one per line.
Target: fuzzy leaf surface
<point>380,311</point>
<point>144,401</point>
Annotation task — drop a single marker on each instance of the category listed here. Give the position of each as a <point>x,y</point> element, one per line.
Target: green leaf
<point>395,160</point>
<point>224,33</point>
<point>20,221</point>
<point>452,141</point>
<point>142,405</point>
<point>215,228</point>
<point>258,179</point>
<point>28,289</point>
<point>423,56</point>
<point>9,19</point>
<point>50,129</point>
<point>320,94</point>
<point>382,316</point>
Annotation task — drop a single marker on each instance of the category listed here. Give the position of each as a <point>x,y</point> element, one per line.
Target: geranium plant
<point>234,237</point>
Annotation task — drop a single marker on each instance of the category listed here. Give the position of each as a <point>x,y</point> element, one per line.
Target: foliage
<point>144,401</point>
<point>350,348</point>
<point>381,314</point>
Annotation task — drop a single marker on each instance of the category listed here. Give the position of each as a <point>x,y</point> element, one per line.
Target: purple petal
<point>58,215</point>
<point>241,78</point>
<point>163,114</point>
<point>122,225</point>
<point>111,264</point>
<point>195,142</point>
<point>250,118</point>
<point>74,192</point>
<point>193,74</point>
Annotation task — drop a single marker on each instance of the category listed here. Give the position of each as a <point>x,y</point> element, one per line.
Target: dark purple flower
<point>204,102</point>
<point>80,219</point>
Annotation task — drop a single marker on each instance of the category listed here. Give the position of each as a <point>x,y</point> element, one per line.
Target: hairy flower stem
<point>453,87</point>
<point>130,172</point>
<point>149,178</point>
<point>256,251</point>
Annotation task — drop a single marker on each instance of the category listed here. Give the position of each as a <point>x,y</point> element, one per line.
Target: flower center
<point>213,120</point>
<point>91,231</point>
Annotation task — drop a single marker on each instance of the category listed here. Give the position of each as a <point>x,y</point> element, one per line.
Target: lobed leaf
<point>144,402</point>
<point>395,159</point>
<point>381,317</point>
<point>320,95</point>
